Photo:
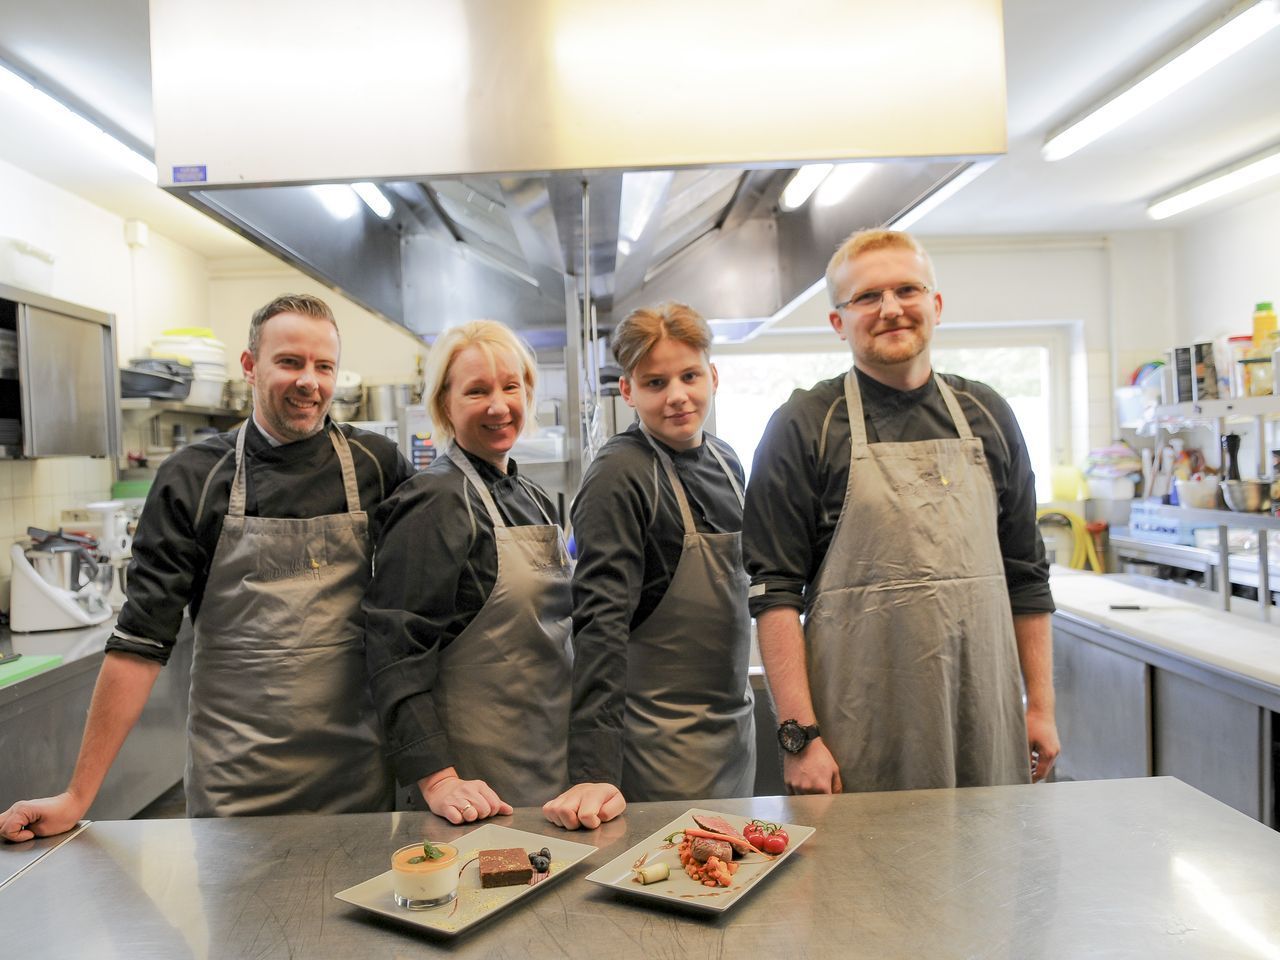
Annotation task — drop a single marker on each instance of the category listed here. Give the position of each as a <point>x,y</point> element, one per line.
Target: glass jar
<point>1258,376</point>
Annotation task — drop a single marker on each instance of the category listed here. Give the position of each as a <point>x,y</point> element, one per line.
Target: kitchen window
<point>1021,369</point>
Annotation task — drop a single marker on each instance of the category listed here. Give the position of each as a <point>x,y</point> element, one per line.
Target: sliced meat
<point>716,825</point>
<point>702,849</point>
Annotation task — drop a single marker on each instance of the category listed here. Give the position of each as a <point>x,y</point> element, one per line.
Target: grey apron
<point>690,730</point>
<point>504,684</point>
<point>281,719</point>
<point>912,659</point>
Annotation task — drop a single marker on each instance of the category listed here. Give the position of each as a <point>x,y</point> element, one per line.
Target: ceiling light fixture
<point>802,184</point>
<point>338,198</point>
<point>1238,28</point>
<point>840,183</point>
<point>374,198</point>
<point>945,192</point>
<point>20,88</point>
<point>1251,170</point>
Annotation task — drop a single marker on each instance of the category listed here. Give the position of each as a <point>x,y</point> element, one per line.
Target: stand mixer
<point>53,585</point>
<point>116,545</point>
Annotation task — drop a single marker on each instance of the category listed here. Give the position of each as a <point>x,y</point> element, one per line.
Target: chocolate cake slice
<point>504,868</point>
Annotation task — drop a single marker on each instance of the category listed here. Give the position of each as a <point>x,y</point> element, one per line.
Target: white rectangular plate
<point>680,888</point>
<point>473,903</point>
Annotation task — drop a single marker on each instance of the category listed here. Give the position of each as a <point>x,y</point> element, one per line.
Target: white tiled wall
<point>35,492</point>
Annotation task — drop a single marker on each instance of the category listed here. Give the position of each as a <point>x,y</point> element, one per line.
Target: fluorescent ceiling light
<point>1217,184</point>
<point>338,199</point>
<point>18,87</point>
<point>802,184</point>
<point>1239,28</point>
<point>840,183</point>
<point>944,193</point>
<point>373,198</point>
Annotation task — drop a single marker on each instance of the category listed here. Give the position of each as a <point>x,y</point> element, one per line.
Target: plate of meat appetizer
<point>703,860</point>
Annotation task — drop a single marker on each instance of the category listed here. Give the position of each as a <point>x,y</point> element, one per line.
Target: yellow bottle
<point>1264,327</point>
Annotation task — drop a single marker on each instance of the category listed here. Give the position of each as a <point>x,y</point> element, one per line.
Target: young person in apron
<point>468,614</point>
<point>662,704</point>
<point>907,558</point>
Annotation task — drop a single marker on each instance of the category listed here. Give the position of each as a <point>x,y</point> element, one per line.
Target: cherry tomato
<point>773,844</point>
<point>779,832</point>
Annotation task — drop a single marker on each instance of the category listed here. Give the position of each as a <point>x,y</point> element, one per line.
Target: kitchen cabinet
<point>58,383</point>
<point>1152,685</point>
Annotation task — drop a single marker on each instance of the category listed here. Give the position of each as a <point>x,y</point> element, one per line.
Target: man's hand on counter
<point>813,770</point>
<point>1042,743</point>
<point>45,817</point>
<point>585,805</point>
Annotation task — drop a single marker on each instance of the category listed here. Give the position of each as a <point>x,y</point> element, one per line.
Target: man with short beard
<point>896,509</point>
<point>262,533</point>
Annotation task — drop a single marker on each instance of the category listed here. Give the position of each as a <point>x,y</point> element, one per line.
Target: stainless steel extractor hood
<point>485,122</point>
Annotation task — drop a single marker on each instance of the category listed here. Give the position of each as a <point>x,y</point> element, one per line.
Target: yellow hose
<point>1083,554</point>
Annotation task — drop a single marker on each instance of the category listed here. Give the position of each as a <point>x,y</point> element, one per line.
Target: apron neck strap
<point>953,407</point>
<point>469,471</point>
<point>236,506</point>
<point>733,481</point>
<point>857,426</point>
<point>349,482</point>
<point>686,514</point>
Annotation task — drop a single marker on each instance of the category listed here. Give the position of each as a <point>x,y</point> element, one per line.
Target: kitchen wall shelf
<point>1206,411</point>
<point>1223,520</point>
<point>141,409</point>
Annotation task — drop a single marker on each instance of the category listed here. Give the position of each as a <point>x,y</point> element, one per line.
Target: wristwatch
<point>793,737</point>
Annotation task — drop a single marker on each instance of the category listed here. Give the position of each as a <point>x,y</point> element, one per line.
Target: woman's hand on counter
<point>461,801</point>
<point>28,819</point>
<point>585,805</point>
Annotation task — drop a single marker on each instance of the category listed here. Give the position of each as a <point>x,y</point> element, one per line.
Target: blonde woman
<point>468,624</point>
<point>662,709</point>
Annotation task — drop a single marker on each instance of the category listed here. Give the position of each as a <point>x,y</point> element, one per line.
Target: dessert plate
<point>474,903</point>
<point>682,889</point>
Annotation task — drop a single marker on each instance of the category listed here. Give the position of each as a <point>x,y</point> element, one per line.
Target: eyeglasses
<point>907,294</point>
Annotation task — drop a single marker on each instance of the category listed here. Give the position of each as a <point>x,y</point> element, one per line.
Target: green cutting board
<point>27,666</point>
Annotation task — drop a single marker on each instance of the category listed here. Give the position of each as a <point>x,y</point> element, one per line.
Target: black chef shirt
<point>798,485</point>
<point>629,535</point>
<point>182,519</point>
<point>434,566</point>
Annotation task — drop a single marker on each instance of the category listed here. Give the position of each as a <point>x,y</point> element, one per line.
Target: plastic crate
<point>1146,522</point>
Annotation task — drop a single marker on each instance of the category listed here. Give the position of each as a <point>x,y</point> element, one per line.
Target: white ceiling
<point>1060,57</point>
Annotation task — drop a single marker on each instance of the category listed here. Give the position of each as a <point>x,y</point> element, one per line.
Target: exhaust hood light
<point>843,180</point>
<point>18,87</point>
<point>940,196</point>
<point>492,261</point>
<point>802,184</point>
<point>373,198</point>
<point>1217,184</point>
<point>338,199</point>
<point>1205,50</point>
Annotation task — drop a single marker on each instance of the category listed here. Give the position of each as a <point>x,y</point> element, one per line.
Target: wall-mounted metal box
<point>59,395</point>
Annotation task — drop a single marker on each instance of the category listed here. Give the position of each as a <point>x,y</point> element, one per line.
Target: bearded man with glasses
<point>895,508</point>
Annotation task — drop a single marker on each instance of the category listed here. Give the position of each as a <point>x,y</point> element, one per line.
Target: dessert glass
<point>421,886</point>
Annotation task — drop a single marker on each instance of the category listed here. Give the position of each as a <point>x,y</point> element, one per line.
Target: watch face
<point>792,737</point>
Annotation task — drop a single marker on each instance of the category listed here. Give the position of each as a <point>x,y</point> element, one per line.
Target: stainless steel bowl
<point>348,394</point>
<point>342,411</point>
<point>1247,496</point>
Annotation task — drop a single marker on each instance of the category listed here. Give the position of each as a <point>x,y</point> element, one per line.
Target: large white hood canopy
<point>481,120</point>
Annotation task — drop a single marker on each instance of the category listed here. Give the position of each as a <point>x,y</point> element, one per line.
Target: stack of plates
<point>10,433</point>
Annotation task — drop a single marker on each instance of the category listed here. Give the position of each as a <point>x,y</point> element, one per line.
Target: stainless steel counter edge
<point>16,859</point>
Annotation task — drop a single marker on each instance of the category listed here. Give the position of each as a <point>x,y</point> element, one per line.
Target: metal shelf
<point>1209,410</point>
<point>140,409</point>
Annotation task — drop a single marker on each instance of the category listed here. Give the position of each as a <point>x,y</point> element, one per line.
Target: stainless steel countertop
<point>1120,868</point>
